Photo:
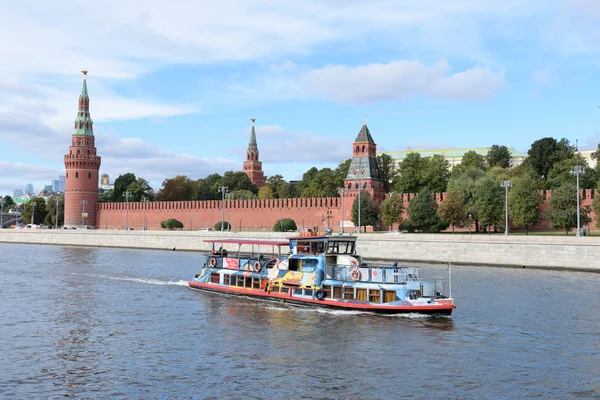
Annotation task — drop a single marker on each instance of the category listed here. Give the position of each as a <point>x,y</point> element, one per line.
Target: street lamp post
<point>32,212</point>
<point>342,190</point>
<point>223,190</point>
<point>303,223</point>
<point>190,222</point>
<point>57,199</point>
<point>240,224</point>
<point>229,195</point>
<point>506,184</point>
<point>145,201</point>
<point>127,194</point>
<point>470,223</point>
<point>1,213</point>
<point>83,203</point>
<point>576,170</point>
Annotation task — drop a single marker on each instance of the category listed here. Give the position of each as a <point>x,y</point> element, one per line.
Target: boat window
<point>294,264</point>
<point>309,263</point>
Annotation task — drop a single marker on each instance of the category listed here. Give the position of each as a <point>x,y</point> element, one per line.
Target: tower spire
<point>83,122</point>
<point>252,146</point>
<point>252,166</point>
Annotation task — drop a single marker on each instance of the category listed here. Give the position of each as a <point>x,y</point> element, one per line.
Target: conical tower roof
<point>252,146</point>
<point>364,136</point>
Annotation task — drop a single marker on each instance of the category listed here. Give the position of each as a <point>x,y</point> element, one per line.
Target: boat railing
<point>376,274</point>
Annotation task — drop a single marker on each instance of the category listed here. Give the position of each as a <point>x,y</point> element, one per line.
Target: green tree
<point>368,210</point>
<point>596,206</point>
<point>39,211</point>
<point>489,201</point>
<point>105,196</point>
<point>180,188</point>
<point>121,186</point>
<point>321,183</point>
<point>410,174</point>
<point>499,156</point>
<point>525,202</point>
<point>140,188</point>
<point>562,209</point>
<point>278,185</point>
<point>422,211</point>
<point>544,153</point>
<point>342,168</point>
<point>596,156</point>
<point>238,181</point>
<point>436,173</point>
<point>285,225</point>
<point>498,174</point>
<point>8,202</point>
<point>50,219</point>
<point>560,174</point>
<point>391,210</point>
<point>171,224</point>
<point>387,170</point>
<point>242,195</point>
<point>453,210</point>
<point>265,192</point>
<point>465,184</point>
<point>471,159</point>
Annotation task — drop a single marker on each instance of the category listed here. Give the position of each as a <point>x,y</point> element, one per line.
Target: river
<point>117,323</point>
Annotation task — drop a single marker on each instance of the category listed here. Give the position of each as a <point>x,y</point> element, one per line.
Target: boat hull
<point>445,308</point>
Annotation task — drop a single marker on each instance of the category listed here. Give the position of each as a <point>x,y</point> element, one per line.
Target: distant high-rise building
<point>55,185</point>
<point>17,193</point>
<point>47,188</point>
<point>61,183</point>
<point>29,189</point>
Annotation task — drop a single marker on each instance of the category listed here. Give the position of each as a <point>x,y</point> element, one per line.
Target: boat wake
<point>149,281</point>
<point>146,281</point>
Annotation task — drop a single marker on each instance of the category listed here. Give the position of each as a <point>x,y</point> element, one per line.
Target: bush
<point>285,225</point>
<point>171,224</point>
<point>406,226</point>
<point>226,226</point>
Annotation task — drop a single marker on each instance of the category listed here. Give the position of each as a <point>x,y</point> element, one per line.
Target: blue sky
<point>173,85</point>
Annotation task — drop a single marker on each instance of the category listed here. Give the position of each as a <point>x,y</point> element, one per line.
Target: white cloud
<point>399,80</point>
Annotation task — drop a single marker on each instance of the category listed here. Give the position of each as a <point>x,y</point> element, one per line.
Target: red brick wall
<point>254,214</point>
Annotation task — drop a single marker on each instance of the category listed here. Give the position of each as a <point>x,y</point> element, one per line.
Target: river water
<point>112,323</point>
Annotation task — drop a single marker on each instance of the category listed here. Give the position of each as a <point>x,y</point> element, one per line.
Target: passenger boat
<point>323,271</point>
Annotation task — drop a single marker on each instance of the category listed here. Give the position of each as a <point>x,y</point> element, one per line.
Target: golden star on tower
<point>84,72</point>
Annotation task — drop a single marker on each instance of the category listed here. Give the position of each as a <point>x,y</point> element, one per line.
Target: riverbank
<point>548,252</point>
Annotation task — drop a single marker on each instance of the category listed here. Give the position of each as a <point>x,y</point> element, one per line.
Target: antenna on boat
<point>449,280</point>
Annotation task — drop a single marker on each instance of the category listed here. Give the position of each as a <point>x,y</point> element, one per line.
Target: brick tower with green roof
<point>364,169</point>
<point>252,166</point>
<point>82,166</point>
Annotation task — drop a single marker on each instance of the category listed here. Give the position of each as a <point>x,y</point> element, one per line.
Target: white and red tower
<point>82,166</point>
<point>252,166</point>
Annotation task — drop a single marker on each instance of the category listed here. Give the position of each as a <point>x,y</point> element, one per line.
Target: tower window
<point>89,153</point>
<point>357,149</point>
<point>363,149</point>
<point>76,174</point>
<point>78,152</point>
<point>89,175</point>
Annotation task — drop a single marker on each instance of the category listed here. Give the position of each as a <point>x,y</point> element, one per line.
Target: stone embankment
<point>553,252</point>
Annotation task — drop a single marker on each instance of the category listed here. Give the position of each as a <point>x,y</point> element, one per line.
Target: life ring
<point>213,262</point>
<point>355,274</point>
<point>257,266</point>
<point>319,294</point>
